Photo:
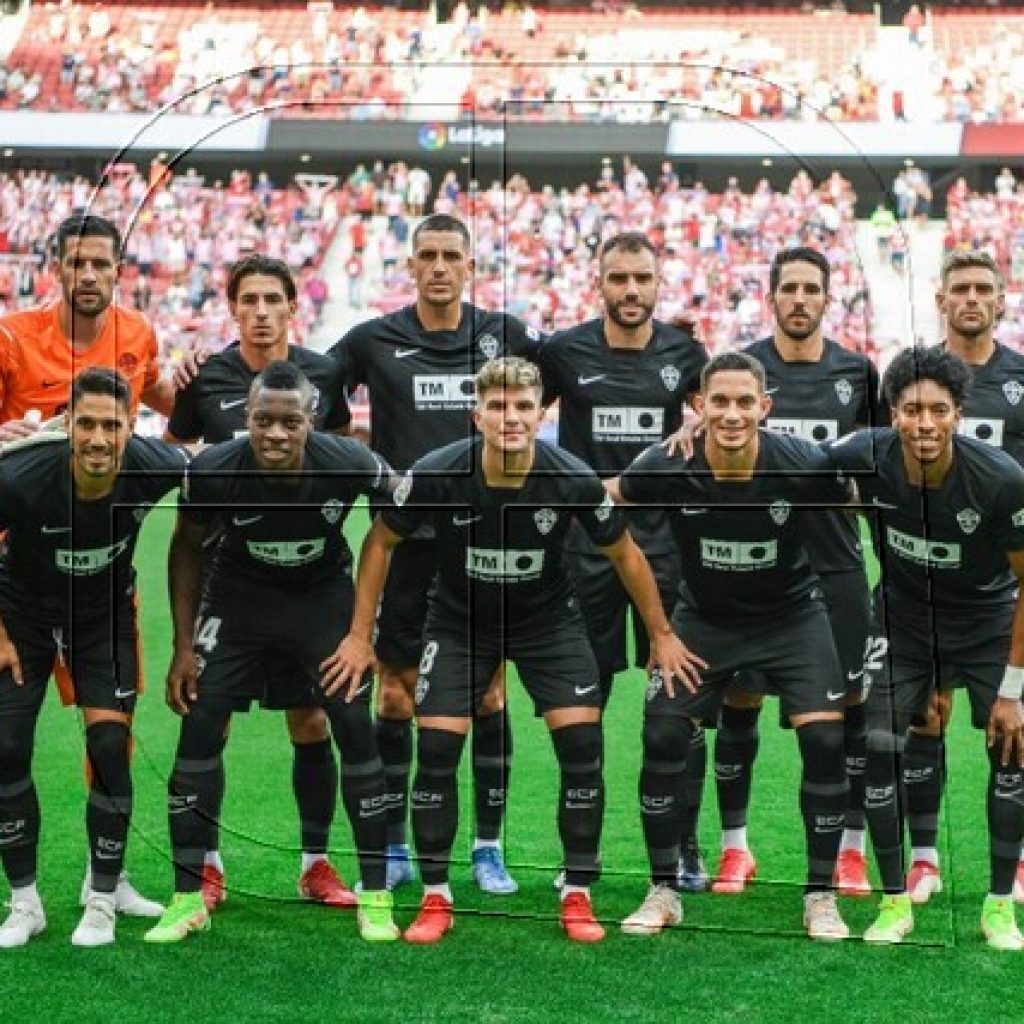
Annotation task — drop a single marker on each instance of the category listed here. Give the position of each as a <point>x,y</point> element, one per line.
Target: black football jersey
<point>65,556</point>
<point>280,530</point>
<point>741,542</point>
<point>820,401</point>
<point>212,406</point>
<point>500,551</point>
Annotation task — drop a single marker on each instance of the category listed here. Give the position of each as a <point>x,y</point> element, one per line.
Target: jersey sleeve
<point>162,466</point>
<point>547,356</point>
<point>412,500</point>
<point>700,359</point>
<point>377,479</point>
<point>821,481</point>
<point>346,353</point>
<point>521,339</point>
<point>185,423</point>
<point>853,454</point>
<point>338,415</point>
<point>870,411</point>
<point>597,513</point>
<point>1010,521</point>
<point>642,482</point>
<point>196,499</point>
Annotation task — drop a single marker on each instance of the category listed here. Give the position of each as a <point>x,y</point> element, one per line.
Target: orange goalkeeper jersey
<point>38,363</point>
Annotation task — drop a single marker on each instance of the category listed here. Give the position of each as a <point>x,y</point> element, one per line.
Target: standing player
<point>72,508</point>
<point>278,586</point>
<point>971,297</point>
<point>820,391</point>
<point>502,505</point>
<point>621,382</point>
<point>262,296</point>
<point>951,523</point>
<point>418,364</point>
<point>43,348</point>
<point>749,599</point>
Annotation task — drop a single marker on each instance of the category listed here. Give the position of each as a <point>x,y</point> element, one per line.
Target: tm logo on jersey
<point>738,556</point>
<point>287,552</point>
<point>434,391</point>
<point>627,423</point>
<point>987,430</point>
<point>90,561</point>
<point>495,565</point>
<point>932,553</point>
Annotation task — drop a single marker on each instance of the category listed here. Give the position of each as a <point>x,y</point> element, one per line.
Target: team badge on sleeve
<point>403,489</point>
<point>604,510</point>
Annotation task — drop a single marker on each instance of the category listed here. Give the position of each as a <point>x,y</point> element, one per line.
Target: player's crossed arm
<point>185,585</point>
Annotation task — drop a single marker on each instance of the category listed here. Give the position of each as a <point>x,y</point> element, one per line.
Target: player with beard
<point>72,507</point>
<point>749,599</point>
<point>621,382</point>
<point>502,505</point>
<point>262,297</point>
<point>820,391</point>
<point>971,297</point>
<point>951,524</point>
<point>418,364</point>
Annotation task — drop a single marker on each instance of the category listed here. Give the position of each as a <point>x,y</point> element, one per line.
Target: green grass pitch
<point>269,957</point>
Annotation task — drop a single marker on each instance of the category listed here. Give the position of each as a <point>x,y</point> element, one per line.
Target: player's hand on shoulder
<point>1006,726</point>
<point>182,681</point>
<point>346,667</point>
<point>189,367</point>
<point>674,660</point>
<point>9,660</point>
<point>682,441</point>
<point>14,430</point>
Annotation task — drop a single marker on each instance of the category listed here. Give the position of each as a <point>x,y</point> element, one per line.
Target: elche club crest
<point>1014,391</point>
<point>545,518</point>
<point>401,494</point>
<point>488,345</point>
<point>844,391</point>
<point>333,509</point>
<point>670,377</point>
<point>968,520</point>
<point>779,511</point>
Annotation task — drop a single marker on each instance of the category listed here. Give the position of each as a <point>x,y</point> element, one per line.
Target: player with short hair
<point>621,382</point>
<point>501,505</point>
<point>819,391</point>
<point>951,526</point>
<point>72,508</point>
<point>748,599</point>
<point>262,297</point>
<point>418,364</point>
<point>278,585</point>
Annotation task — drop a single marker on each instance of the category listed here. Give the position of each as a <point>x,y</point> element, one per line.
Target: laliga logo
<point>433,136</point>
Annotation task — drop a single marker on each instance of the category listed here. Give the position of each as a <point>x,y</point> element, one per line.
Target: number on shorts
<point>875,651</point>
<point>206,633</point>
<point>427,659</point>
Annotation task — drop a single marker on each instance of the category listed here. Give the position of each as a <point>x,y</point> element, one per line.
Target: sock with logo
<point>736,746</point>
<point>923,772</point>
<point>1005,819</point>
<point>492,765</point>
<point>855,732</point>
<point>394,740</point>
<point>666,745</point>
<point>19,803</point>
<point>109,806</point>
<point>823,795</point>
<point>435,801</point>
<point>580,753</point>
<point>693,787</point>
<point>315,784</point>
<point>883,807</point>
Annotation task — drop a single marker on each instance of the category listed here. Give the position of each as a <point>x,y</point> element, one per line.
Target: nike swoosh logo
<point>590,380</point>
<point>465,520</point>
<point>231,405</point>
<point>835,696</point>
<point>245,520</point>
<point>854,676</point>
<point>56,529</point>
<point>124,694</point>
<point>401,353</point>
<point>362,689</point>
<point>694,511</point>
<point>582,691</point>
<point>770,391</point>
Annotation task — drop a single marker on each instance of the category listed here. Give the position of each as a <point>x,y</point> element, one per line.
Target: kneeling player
<point>279,584</point>
<point>749,600</point>
<point>951,526</point>
<point>73,507</point>
<point>501,506</point>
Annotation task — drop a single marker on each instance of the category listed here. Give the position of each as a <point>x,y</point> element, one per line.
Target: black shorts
<point>267,646</point>
<point>848,602</point>
<point>403,607</point>
<point>554,661</point>
<point>796,655</point>
<point>965,651</point>
<point>101,657</point>
<point>605,602</point>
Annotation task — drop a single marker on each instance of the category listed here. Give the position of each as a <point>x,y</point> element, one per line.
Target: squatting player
<point>951,522</point>
<point>72,508</point>
<point>502,505</point>
<point>621,382</point>
<point>277,585</point>
<point>820,391</point>
<point>749,599</point>
<point>418,364</point>
<point>262,297</point>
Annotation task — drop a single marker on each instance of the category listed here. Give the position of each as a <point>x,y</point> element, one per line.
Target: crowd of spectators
<point>994,222</point>
<point>181,235</point>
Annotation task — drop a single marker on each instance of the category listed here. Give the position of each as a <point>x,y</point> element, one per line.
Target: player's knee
<point>743,701</point>
<point>666,739</point>
<point>439,751</point>
<point>307,725</point>
<point>15,750</point>
<point>579,748</point>
<point>395,694</point>
<point>494,699</point>
<point>107,741</point>
<point>823,748</point>
<point>203,734</point>
<point>883,742</point>
<point>353,731</point>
